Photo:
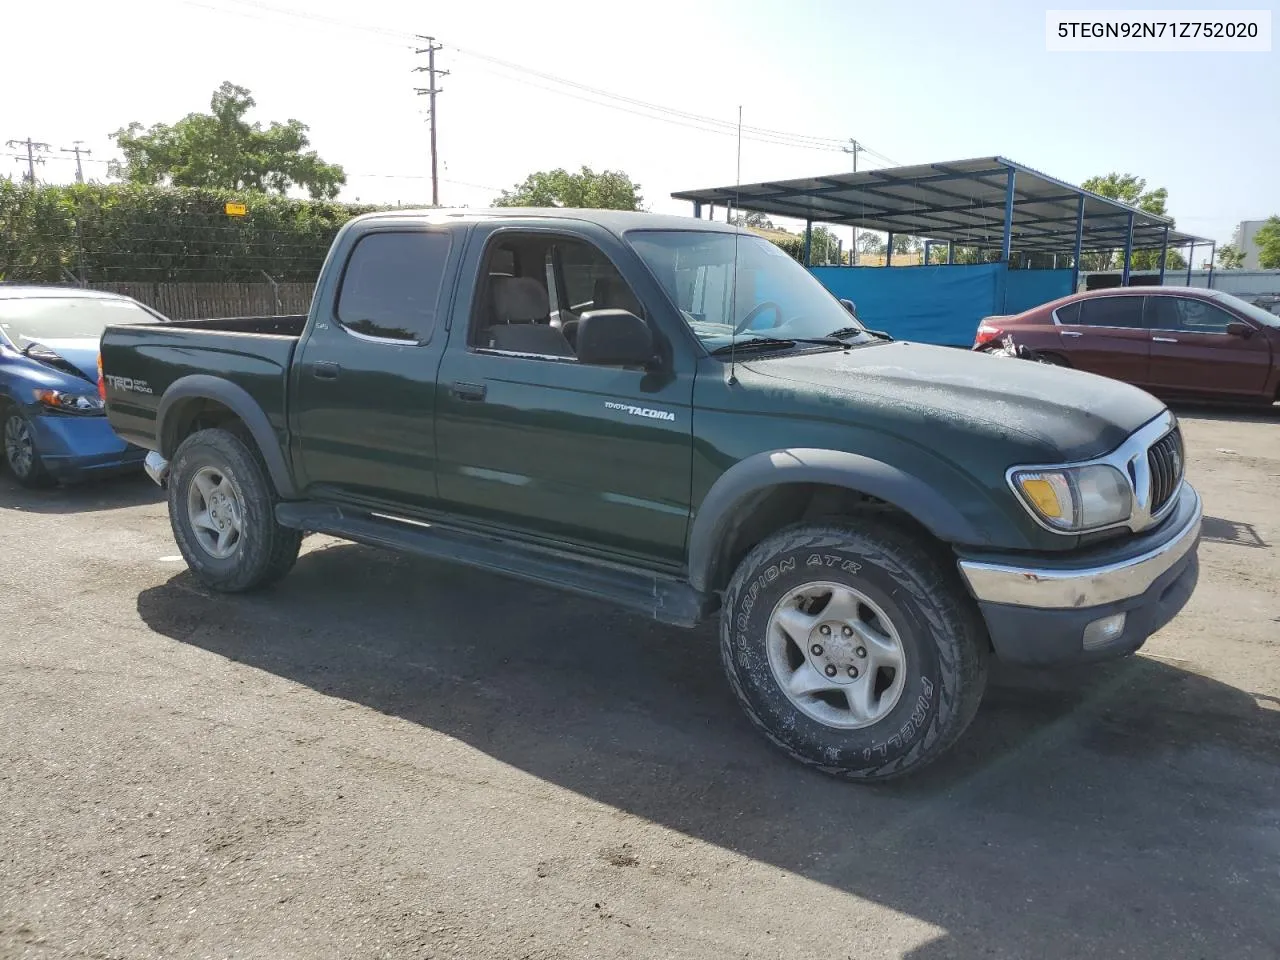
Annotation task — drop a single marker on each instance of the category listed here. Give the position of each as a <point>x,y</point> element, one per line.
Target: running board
<point>665,599</point>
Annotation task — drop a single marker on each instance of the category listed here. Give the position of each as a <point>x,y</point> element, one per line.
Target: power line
<point>430,91</point>
<point>615,101</point>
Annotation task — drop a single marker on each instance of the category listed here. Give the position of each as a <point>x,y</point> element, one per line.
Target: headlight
<point>1075,499</point>
<point>70,402</point>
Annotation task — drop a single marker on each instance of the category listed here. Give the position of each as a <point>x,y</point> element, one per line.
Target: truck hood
<point>1069,414</point>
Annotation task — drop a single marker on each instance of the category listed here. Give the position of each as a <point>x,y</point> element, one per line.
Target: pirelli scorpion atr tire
<point>853,649</point>
<point>222,510</point>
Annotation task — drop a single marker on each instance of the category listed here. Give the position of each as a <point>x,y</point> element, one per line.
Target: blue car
<point>54,424</point>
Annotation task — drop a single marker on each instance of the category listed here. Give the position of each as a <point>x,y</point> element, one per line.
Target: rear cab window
<point>391,285</point>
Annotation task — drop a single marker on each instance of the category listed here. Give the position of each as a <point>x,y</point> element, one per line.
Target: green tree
<point>607,190</point>
<point>221,150</point>
<point>1230,257</point>
<point>753,218</point>
<point>1268,240</point>
<point>905,244</point>
<point>1131,189</point>
<point>869,242</point>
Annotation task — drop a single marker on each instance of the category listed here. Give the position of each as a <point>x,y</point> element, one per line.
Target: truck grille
<point>1165,458</point>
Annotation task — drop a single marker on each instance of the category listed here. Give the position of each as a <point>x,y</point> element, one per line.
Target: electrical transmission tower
<point>33,148</point>
<point>430,91</point>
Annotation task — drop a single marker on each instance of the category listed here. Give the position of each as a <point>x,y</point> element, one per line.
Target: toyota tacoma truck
<point>677,418</point>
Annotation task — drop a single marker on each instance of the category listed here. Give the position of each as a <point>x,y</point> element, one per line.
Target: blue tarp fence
<point>1024,289</point>
<point>941,304</point>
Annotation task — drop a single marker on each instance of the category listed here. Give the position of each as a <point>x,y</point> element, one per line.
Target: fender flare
<point>201,386</point>
<point>773,468</point>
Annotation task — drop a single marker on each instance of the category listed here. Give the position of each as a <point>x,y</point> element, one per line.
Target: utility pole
<point>33,147</point>
<point>854,148</point>
<point>430,91</point>
<point>77,150</point>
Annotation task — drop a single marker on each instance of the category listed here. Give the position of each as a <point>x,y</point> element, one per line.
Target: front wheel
<point>21,452</point>
<point>853,648</point>
<point>222,510</point>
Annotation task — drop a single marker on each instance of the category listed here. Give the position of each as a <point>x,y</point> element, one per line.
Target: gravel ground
<point>386,757</point>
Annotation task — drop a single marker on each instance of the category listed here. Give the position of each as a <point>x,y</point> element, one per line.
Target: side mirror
<point>850,306</point>
<point>1237,328</point>
<point>614,338</point>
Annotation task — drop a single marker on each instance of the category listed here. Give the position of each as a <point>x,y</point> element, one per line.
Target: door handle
<point>1071,333</point>
<point>467,391</point>
<point>325,370</point>
<point>1164,339</point>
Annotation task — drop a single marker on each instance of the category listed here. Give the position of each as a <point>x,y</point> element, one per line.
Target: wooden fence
<point>196,301</point>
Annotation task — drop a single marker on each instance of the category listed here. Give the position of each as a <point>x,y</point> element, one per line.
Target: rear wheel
<point>21,452</point>
<point>222,510</point>
<point>853,649</point>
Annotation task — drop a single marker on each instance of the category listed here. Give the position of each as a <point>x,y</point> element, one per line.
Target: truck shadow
<point>1124,810</point>
<point>108,493</point>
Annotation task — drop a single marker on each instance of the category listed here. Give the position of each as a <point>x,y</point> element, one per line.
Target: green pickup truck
<point>675,417</point>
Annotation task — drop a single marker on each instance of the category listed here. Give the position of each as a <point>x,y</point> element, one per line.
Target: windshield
<point>775,296</point>
<point>1250,310</point>
<point>65,318</point>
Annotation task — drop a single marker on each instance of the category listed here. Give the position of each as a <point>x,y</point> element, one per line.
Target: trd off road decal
<point>128,383</point>
<point>635,411</point>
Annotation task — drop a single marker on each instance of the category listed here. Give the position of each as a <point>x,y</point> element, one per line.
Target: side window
<point>591,281</point>
<point>1111,312</point>
<point>1070,314</point>
<point>1195,316</point>
<point>391,285</point>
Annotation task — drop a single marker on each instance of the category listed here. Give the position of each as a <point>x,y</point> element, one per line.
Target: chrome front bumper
<point>1066,589</point>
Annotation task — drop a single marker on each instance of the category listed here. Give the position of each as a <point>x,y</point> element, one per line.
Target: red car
<point>1173,341</point>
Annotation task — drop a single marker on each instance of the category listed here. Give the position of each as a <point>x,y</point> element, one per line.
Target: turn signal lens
<point>1049,494</point>
<point>102,382</point>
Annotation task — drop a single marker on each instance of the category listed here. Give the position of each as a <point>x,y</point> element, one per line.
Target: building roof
<point>962,201</point>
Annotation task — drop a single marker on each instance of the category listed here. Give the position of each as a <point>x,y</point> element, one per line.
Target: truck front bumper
<point>1096,605</point>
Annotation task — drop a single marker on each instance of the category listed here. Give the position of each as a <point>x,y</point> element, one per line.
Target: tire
<point>907,598</point>
<point>21,455</point>
<point>1052,359</point>
<point>258,551</point>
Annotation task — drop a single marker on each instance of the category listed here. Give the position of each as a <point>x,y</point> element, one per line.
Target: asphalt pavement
<point>389,757</point>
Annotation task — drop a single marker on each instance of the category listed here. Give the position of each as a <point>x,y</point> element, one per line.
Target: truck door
<point>363,399</point>
<point>533,440</point>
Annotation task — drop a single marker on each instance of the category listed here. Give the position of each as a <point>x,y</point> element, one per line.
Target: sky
<point>534,86</point>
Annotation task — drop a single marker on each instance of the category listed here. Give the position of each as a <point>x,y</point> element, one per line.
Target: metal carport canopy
<point>962,201</point>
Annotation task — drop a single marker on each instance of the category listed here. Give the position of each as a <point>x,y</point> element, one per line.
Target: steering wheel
<point>758,309</point>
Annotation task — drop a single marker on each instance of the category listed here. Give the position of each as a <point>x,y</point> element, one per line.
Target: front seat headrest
<point>519,300</point>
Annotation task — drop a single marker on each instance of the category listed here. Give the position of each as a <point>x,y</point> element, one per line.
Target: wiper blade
<point>776,343</point>
<point>851,331</point>
<point>754,343</point>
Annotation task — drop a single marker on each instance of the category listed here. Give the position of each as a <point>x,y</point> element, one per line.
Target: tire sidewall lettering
<point>910,719</point>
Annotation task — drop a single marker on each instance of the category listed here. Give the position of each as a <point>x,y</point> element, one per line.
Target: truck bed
<point>141,361</point>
